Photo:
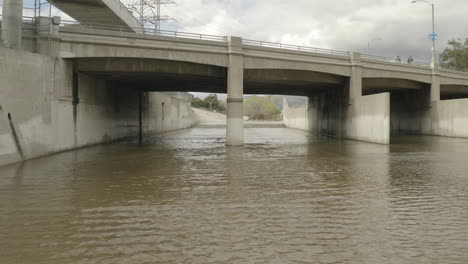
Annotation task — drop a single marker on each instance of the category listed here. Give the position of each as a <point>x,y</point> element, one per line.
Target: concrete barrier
<point>205,116</point>
<point>295,117</point>
<point>450,118</point>
<point>368,119</point>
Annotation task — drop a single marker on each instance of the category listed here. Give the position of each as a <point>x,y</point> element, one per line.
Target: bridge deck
<point>111,12</point>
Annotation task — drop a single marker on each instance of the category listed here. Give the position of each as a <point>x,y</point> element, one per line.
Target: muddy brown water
<point>286,197</point>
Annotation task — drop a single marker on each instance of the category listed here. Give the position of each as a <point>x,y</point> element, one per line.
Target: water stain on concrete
<point>15,137</point>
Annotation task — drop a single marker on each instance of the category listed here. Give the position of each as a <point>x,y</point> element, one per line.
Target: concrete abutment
<point>52,107</point>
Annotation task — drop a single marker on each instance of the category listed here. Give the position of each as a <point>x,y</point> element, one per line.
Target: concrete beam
<point>109,12</point>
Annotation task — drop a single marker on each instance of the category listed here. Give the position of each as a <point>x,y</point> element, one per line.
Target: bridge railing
<point>29,25</point>
<point>294,47</point>
<point>394,60</point>
<point>144,31</point>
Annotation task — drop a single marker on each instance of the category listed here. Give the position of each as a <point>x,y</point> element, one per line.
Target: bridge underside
<point>386,106</point>
<point>448,92</point>
<point>409,102</point>
<point>167,76</point>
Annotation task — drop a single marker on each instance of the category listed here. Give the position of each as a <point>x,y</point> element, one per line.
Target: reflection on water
<point>286,197</point>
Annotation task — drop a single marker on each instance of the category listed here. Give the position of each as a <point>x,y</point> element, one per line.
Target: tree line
<point>455,56</point>
<point>255,107</point>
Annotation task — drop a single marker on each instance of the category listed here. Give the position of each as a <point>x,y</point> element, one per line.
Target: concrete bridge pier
<point>367,118</point>
<point>430,117</point>
<point>435,87</point>
<point>235,92</point>
<point>12,26</point>
<point>355,80</point>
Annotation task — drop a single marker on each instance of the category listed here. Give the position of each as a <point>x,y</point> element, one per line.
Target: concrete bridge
<point>351,95</point>
<point>109,12</point>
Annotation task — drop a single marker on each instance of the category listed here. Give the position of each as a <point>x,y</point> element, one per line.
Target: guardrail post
<point>235,91</point>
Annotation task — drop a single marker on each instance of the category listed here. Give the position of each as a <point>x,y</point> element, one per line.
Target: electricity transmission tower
<point>149,11</point>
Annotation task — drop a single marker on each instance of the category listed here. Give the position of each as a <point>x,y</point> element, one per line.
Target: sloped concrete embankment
<point>295,117</point>
<point>207,118</point>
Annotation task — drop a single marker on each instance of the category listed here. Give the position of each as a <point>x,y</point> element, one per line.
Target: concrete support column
<point>140,117</point>
<point>12,24</point>
<point>235,91</point>
<point>435,87</point>
<point>311,115</point>
<point>355,80</point>
<point>47,29</point>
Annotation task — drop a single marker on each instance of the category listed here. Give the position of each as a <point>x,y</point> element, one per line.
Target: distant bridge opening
<point>449,92</point>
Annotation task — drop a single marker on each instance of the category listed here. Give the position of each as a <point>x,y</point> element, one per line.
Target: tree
<point>455,56</point>
<point>197,102</point>
<point>259,108</point>
<point>214,103</point>
<point>211,102</point>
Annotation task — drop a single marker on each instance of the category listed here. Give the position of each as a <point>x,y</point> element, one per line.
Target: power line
<point>149,11</point>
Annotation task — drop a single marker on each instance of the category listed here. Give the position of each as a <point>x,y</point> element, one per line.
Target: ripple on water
<point>285,197</point>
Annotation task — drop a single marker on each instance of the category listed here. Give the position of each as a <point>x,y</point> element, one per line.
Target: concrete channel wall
<point>368,119</point>
<point>295,117</point>
<point>39,115</point>
<point>450,118</point>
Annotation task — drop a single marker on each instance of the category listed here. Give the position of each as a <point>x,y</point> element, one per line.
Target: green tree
<point>198,103</point>
<point>455,56</point>
<point>259,108</point>
<point>214,103</point>
<point>211,102</point>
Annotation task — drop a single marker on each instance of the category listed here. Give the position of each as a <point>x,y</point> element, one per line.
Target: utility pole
<point>160,18</point>
<point>432,36</point>
<point>149,11</point>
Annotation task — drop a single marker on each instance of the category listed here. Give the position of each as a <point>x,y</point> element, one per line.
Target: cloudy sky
<point>333,24</point>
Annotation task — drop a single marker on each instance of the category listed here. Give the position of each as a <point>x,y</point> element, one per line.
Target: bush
<point>259,108</point>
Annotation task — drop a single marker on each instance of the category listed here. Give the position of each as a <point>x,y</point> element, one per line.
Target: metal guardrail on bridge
<point>28,24</point>
<point>29,21</point>
<point>144,31</point>
<point>294,47</point>
<point>393,60</point>
<point>178,34</point>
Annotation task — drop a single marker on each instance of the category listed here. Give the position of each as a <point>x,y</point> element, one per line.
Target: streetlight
<point>433,36</point>
<point>368,44</point>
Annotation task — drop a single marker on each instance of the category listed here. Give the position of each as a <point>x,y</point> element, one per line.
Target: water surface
<point>286,197</point>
